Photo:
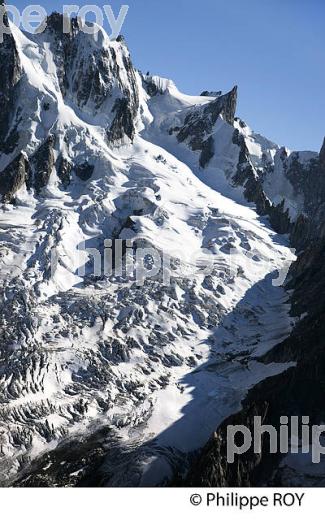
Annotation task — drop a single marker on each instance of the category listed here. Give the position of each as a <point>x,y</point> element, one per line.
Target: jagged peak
<point>228,104</point>
<point>55,23</point>
<point>322,154</point>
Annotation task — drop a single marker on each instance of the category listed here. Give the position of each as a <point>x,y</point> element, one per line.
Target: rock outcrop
<point>199,123</point>
<point>42,164</point>
<point>64,168</point>
<point>13,177</point>
<point>322,156</point>
<point>10,74</point>
<point>97,75</point>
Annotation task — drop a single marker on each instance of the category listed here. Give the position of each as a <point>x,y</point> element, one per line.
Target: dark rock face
<point>62,46</point>
<point>228,103</point>
<point>308,180</point>
<point>307,276</point>
<point>13,177</point>
<point>153,85</point>
<point>73,464</point>
<point>84,171</point>
<point>279,218</point>
<point>91,78</point>
<point>126,108</point>
<point>207,93</point>
<point>252,181</point>
<point>200,121</point>
<point>207,151</point>
<point>211,469</point>
<point>10,73</point>
<point>42,163</point>
<point>64,168</point>
<point>123,123</point>
<point>247,176</point>
<point>322,156</point>
<point>150,87</point>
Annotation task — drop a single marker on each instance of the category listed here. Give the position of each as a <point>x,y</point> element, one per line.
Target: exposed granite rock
<point>229,105</point>
<point>199,123</point>
<point>123,123</point>
<point>151,86</point>
<point>92,81</point>
<point>42,163</point>
<point>300,231</point>
<point>307,278</point>
<point>322,156</point>
<point>10,74</point>
<point>151,89</point>
<point>247,176</point>
<point>211,469</point>
<point>76,463</point>
<point>201,120</point>
<point>279,218</point>
<point>13,177</point>
<point>93,76</point>
<point>207,151</point>
<point>64,168</point>
<point>309,181</point>
<point>125,108</point>
<point>251,180</point>
<point>84,171</point>
<point>62,46</point>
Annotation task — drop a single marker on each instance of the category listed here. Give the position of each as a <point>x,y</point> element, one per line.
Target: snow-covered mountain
<point>138,374</point>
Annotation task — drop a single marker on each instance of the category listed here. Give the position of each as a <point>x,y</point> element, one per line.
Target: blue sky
<point>274,50</point>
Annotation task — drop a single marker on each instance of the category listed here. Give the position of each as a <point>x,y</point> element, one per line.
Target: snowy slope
<point>159,362</point>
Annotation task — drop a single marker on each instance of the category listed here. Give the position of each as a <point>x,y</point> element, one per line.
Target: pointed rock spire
<point>322,154</point>
<point>224,105</point>
<point>230,105</point>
